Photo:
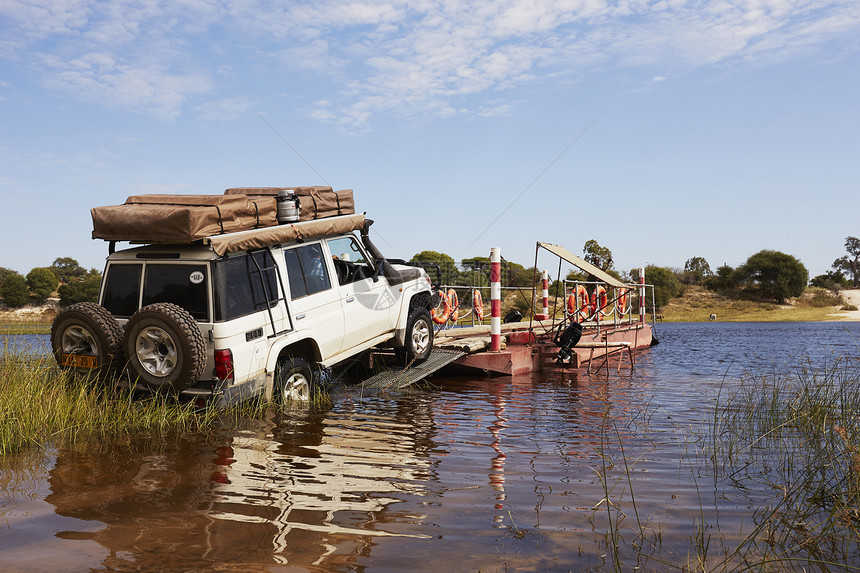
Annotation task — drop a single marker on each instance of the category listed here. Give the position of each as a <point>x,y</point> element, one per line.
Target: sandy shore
<point>851,297</point>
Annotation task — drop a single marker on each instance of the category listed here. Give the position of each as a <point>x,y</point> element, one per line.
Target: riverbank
<point>697,304</point>
<point>29,317</point>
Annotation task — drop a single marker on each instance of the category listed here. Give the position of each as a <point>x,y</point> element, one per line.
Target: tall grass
<point>796,434</point>
<point>40,403</point>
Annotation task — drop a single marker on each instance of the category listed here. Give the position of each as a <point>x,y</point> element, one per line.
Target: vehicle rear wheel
<point>419,337</point>
<point>86,339</point>
<point>165,347</point>
<point>294,381</point>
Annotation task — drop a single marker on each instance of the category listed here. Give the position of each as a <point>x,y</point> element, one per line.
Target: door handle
<point>350,299</point>
<point>300,316</point>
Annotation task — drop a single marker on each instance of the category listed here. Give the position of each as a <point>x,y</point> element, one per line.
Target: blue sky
<point>663,130</point>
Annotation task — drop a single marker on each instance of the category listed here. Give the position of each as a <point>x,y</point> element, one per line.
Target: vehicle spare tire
<point>86,339</point>
<point>164,347</point>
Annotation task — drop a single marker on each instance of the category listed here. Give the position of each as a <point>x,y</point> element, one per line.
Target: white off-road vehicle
<point>259,316</point>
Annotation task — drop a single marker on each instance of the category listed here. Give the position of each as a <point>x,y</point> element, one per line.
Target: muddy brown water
<point>546,472</point>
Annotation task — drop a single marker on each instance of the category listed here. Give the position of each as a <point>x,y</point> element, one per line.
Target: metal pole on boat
<point>642,295</point>
<point>545,294</point>
<point>495,299</point>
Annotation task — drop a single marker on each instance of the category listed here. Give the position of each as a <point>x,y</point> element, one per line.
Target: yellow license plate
<point>80,361</point>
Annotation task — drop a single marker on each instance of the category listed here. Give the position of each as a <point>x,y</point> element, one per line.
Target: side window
<point>184,285</point>
<point>122,289</point>
<point>349,262</point>
<point>307,270</point>
<point>241,289</point>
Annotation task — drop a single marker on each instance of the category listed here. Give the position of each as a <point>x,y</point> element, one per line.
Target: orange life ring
<point>455,305</point>
<point>584,306</point>
<point>621,301</point>
<point>478,305</point>
<point>446,309</point>
<point>576,310</point>
<point>598,300</point>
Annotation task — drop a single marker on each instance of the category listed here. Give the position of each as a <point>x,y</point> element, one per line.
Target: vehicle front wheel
<point>419,337</point>
<point>294,381</point>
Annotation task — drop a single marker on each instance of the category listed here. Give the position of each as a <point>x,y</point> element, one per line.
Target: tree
<point>81,290</point>
<point>68,269</point>
<point>448,266</point>
<point>696,270</point>
<point>724,279</point>
<point>476,271</point>
<point>14,290</point>
<point>776,275</point>
<point>831,280</point>
<point>4,272</point>
<point>850,263</point>
<point>666,285</point>
<point>42,282</point>
<point>600,257</point>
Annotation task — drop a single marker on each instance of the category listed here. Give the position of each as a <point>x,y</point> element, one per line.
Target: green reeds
<point>40,403</point>
<point>795,434</point>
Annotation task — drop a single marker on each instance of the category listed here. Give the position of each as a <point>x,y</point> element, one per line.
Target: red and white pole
<point>544,315</point>
<point>642,295</point>
<point>495,299</point>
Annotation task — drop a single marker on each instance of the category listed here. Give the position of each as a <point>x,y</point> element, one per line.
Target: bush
<point>15,291</point>
<point>86,290</point>
<point>774,274</point>
<point>831,280</point>
<point>42,282</point>
<point>820,298</point>
<point>666,285</point>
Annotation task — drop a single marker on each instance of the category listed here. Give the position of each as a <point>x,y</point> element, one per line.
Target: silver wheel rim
<point>297,388</point>
<point>420,336</point>
<point>156,351</point>
<point>78,340</point>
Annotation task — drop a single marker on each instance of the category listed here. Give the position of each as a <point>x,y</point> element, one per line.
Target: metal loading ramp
<point>399,379</point>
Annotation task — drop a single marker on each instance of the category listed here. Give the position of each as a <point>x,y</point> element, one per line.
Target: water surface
<point>465,474</point>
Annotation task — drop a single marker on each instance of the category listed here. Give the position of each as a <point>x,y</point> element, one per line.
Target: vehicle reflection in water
<point>306,488</point>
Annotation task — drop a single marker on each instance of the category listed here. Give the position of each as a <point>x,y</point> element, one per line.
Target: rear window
<point>244,286</point>
<point>122,289</point>
<point>184,285</point>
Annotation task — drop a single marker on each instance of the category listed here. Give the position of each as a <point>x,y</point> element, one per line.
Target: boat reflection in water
<point>310,489</point>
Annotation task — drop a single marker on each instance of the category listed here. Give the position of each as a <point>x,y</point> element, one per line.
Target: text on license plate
<point>80,361</point>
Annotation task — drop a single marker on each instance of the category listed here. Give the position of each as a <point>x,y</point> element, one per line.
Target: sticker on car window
<point>196,277</point>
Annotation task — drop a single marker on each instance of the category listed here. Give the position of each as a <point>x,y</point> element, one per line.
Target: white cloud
<point>99,78</point>
<point>395,57</point>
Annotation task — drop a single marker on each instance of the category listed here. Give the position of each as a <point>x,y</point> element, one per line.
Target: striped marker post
<point>642,296</point>
<point>495,299</point>
<point>545,296</point>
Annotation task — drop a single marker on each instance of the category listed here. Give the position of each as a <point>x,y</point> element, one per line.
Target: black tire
<point>419,337</point>
<point>86,339</point>
<point>294,381</point>
<point>164,347</point>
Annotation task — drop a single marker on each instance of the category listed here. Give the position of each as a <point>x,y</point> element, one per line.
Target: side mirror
<point>380,266</point>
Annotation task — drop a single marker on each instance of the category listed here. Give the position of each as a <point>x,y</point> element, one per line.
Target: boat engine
<point>565,340</point>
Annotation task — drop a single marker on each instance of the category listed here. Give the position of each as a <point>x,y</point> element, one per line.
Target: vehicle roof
<point>165,253</point>
<point>182,252</point>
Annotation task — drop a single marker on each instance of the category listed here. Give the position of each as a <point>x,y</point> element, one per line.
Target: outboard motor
<point>513,316</point>
<point>566,340</point>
